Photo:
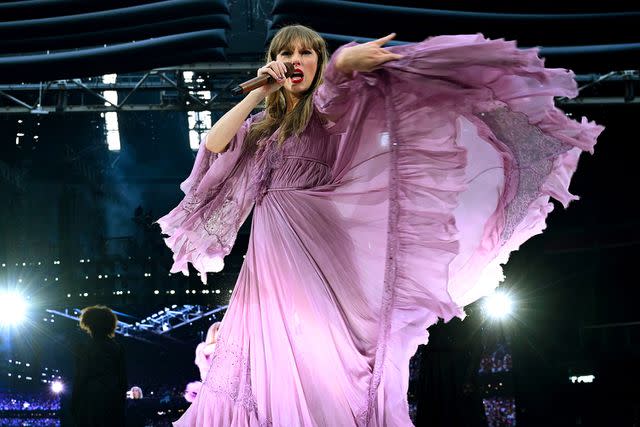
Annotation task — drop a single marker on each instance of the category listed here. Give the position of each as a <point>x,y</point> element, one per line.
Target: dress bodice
<point>301,162</point>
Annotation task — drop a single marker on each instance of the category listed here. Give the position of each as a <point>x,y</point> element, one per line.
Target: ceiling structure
<point>222,42</point>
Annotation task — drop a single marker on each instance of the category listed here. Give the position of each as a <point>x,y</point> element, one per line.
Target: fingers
<point>385,39</point>
<point>280,68</point>
<point>270,71</point>
<point>275,69</point>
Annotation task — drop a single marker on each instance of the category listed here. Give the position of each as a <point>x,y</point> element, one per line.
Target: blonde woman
<point>203,360</point>
<point>387,187</point>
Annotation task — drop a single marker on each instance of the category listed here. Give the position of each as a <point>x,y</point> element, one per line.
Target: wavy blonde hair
<point>294,122</point>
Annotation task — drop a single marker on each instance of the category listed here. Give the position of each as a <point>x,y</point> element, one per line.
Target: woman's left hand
<point>365,57</point>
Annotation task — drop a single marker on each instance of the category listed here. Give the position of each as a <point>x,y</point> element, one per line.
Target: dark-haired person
<point>100,380</point>
<point>387,187</point>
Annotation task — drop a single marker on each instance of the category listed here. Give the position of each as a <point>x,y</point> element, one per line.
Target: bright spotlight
<point>57,387</point>
<point>498,305</point>
<point>13,308</point>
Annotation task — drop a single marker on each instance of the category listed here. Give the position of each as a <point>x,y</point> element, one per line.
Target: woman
<point>100,382</point>
<point>136,393</point>
<point>387,190</point>
<point>204,358</point>
<point>204,350</point>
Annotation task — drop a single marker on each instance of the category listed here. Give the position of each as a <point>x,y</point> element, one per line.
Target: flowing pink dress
<point>370,227</point>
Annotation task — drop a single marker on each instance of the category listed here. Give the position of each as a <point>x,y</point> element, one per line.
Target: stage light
<point>582,379</point>
<point>13,308</point>
<point>57,387</point>
<point>498,305</point>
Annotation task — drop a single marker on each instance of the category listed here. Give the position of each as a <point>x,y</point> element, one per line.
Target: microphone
<point>262,80</point>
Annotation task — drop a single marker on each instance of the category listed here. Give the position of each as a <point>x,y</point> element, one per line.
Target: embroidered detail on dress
<point>230,375</point>
<point>223,223</point>
<point>191,202</point>
<point>534,153</point>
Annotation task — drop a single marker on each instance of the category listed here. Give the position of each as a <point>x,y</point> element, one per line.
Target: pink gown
<point>368,229</point>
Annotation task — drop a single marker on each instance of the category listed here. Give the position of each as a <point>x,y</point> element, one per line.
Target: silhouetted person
<point>100,384</point>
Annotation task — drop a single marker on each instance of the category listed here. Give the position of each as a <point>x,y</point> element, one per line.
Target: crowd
<point>31,422</point>
<point>498,361</point>
<point>24,402</point>
<point>500,411</point>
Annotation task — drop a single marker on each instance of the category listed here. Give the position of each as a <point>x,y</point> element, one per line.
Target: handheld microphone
<point>262,80</point>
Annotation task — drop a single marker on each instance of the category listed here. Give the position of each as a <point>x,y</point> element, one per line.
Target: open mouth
<point>297,76</point>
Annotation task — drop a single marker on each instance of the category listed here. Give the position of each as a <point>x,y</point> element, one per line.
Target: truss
<point>216,79</point>
<point>158,324</point>
<point>175,93</point>
<point>165,321</point>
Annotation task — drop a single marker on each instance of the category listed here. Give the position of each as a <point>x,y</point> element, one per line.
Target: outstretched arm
<point>365,57</point>
<point>335,96</point>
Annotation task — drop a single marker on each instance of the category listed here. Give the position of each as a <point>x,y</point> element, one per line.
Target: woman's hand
<point>365,57</point>
<point>277,70</point>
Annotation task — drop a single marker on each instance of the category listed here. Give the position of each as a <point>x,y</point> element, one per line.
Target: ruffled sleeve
<point>203,227</point>
<point>461,143</point>
<point>454,114</point>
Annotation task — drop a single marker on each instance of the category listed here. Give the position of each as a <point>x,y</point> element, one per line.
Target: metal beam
<point>223,106</point>
<point>217,67</point>
<point>599,100</point>
<point>208,313</point>
<point>216,78</point>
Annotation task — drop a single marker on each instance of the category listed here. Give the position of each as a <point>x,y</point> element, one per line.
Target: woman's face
<point>305,63</point>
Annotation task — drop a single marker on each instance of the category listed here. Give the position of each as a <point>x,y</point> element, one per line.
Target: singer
<point>388,185</point>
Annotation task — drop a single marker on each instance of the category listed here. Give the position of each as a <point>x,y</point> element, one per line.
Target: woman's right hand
<point>277,70</point>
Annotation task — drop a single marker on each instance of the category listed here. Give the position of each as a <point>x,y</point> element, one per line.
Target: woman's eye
<point>306,52</point>
<point>285,53</point>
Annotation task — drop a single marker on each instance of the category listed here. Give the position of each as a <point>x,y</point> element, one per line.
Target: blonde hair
<point>294,122</point>
<point>212,331</point>
<point>136,388</point>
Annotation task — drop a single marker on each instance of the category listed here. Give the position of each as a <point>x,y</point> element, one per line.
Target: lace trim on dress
<point>222,223</point>
<point>191,202</point>
<point>533,151</point>
<point>230,376</point>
